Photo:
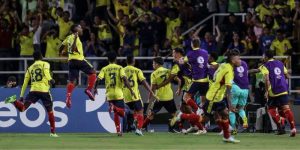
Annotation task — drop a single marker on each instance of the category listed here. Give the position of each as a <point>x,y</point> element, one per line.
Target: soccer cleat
<point>245,123</point>
<point>68,101</point>
<point>221,133</point>
<point>192,129</point>
<point>293,132</point>
<point>11,99</point>
<point>200,132</point>
<point>89,94</point>
<point>199,111</point>
<point>139,132</point>
<point>175,118</point>
<point>231,140</point>
<point>280,132</point>
<point>119,134</point>
<point>53,135</point>
<point>234,132</point>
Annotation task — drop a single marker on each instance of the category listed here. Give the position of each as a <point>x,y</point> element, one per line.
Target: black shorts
<point>278,101</point>
<point>170,106</point>
<point>199,87</point>
<point>79,65</point>
<point>46,98</point>
<point>210,107</point>
<point>135,105</point>
<point>117,103</point>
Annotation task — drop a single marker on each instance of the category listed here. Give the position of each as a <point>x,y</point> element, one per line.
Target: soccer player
<point>115,79</point>
<point>73,46</point>
<point>213,66</point>
<point>275,75</point>
<point>164,95</point>
<point>39,75</point>
<point>221,86</point>
<point>198,59</point>
<point>239,92</point>
<point>135,76</point>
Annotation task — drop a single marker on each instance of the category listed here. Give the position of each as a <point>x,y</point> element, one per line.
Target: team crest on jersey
<point>277,72</point>
<point>200,60</point>
<point>240,71</point>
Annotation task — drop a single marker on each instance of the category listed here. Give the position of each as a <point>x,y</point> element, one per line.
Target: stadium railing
<point>213,17</point>
<point>25,64</point>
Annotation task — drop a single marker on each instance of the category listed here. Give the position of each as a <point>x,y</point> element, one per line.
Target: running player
<point>164,95</point>
<point>73,46</point>
<point>275,75</point>
<point>135,76</point>
<point>239,92</point>
<point>114,76</point>
<point>198,59</point>
<point>39,75</point>
<point>221,86</point>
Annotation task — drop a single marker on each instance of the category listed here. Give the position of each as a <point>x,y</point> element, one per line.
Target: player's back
<point>39,73</point>
<point>276,72</point>
<point>161,74</point>
<point>222,77</point>
<point>241,75</point>
<point>198,59</point>
<point>113,75</point>
<point>134,76</point>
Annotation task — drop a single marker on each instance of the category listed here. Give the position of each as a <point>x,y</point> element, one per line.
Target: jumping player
<point>275,75</point>
<point>115,79</point>
<point>39,75</point>
<point>135,76</point>
<point>73,46</point>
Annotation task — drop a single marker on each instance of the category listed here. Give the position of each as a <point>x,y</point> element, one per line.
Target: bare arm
<point>125,80</point>
<point>171,77</point>
<point>218,33</point>
<point>179,85</point>
<point>198,30</point>
<point>111,15</point>
<point>147,86</point>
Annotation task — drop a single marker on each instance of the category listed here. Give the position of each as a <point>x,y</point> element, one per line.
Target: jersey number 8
<point>36,75</point>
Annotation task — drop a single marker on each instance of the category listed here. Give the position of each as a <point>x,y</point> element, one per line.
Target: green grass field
<point>149,141</point>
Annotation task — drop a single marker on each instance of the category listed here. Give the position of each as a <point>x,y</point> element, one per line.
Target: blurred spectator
<point>172,21</point>
<point>36,28</point>
<point>92,49</point>
<point>177,39</point>
<point>265,40</point>
<point>28,6</point>
<point>63,21</point>
<point>281,45</point>
<point>296,20</point>
<point>249,7</point>
<point>104,34</point>
<point>26,42</point>
<point>209,42</point>
<point>11,82</point>
<point>235,6</point>
<point>263,9</point>
<point>146,32</point>
<point>53,43</point>
<point>237,44</point>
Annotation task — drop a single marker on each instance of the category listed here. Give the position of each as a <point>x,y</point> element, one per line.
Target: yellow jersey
<point>134,76</point>
<point>171,24</point>
<point>39,75</point>
<point>26,44</point>
<point>280,48</point>
<point>73,54</point>
<point>52,48</point>
<point>222,78</point>
<point>113,75</point>
<point>263,11</point>
<point>164,93</point>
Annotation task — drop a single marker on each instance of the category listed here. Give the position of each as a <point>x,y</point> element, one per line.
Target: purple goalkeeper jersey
<point>241,75</point>
<point>198,59</point>
<point>276,76</point>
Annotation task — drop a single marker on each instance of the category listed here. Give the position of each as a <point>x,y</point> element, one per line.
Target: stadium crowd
<point>146,28</point>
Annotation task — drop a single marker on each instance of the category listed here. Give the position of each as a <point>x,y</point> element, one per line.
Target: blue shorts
<point>210,107</point>
<point>170,106</point>
<point>198,87</point>
<point>117,103</point>
<point>278,101</point>
<point>239,96</point>
<point>79,65</point>
<point>135,105</point>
